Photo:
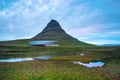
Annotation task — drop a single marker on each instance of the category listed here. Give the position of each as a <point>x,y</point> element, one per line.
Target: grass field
<point>61,66</point>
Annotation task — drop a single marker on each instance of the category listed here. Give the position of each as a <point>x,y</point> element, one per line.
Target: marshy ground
<point>60,66</point>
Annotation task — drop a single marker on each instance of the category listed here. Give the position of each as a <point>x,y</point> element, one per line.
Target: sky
<point>91,21</point>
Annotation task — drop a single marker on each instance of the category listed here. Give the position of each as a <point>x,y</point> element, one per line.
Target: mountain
<point>53,31</point>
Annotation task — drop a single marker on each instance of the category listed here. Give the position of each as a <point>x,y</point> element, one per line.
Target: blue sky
<point>91,21</point>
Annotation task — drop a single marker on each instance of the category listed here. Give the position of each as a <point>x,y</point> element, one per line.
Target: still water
<point>16,59</point>
<point>24,59</point>
<point>90,64</point>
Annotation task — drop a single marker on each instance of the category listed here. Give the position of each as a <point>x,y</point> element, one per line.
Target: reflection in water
<point>91,64</point>
<point>44,43</point>
<point>16,59</point>
<point>24,59</point>
<point>42,57</point>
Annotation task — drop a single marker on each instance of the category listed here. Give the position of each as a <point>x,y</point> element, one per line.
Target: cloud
<point>106,41</point>
<point>79,18</point>
<point>101,38</point>
<point>30,16</point>
<point>98,29</point>
<point>86,30</point>
<point>26,17</point>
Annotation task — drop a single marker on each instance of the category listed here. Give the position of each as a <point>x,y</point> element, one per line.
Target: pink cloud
<point>88,30</point>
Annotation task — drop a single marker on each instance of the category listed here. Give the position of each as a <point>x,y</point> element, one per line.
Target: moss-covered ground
<point>60,67</point>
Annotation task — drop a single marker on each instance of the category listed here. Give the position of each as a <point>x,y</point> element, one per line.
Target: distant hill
<point>110,45</point>
<point>53,31</point>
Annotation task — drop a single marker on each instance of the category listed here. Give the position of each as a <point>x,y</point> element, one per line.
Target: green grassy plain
<point>60,67</point>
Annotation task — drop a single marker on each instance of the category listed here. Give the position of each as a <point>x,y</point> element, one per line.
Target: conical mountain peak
<point>53,25</point>
<point>53,21</point>
<point>53,31</point>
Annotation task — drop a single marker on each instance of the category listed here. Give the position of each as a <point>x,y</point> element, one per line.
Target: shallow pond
<point>25,59</point>
<point>42,58</point>
<point>90,64</point>
<point>16,59</point>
